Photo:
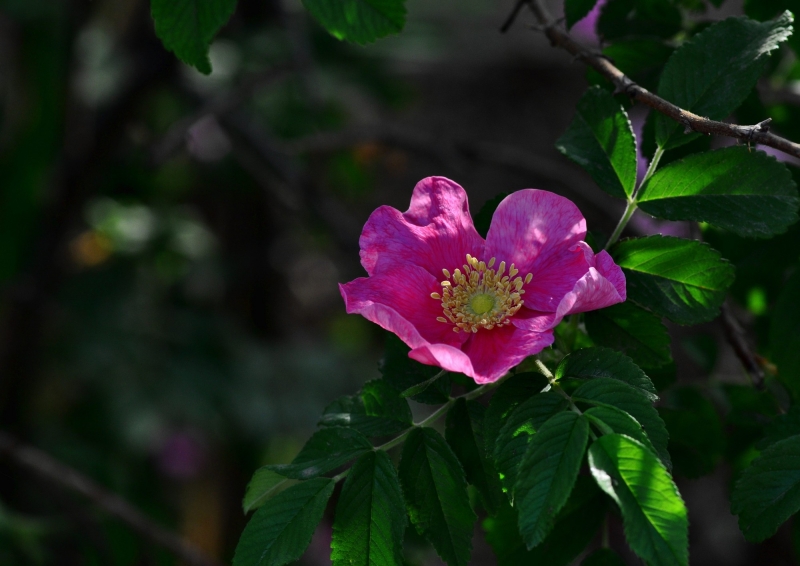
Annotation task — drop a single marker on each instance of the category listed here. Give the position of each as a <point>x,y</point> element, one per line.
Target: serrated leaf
<point>521,425</point>
<point>600,139</point>
<point>591,363</point>
<point>281,529</point>
<point>605,391</point>
<point>576,10</point>
<point>784,334</point>
<point>711,74</point>
<point>359,21</point>
<point>435,491</point>
<point>633,331</point>
<point>653,513</point>
<point>370,515</point>
<point>547,473</point>
<point>464,433</point>
<point>616,420</point>
<point>514,391</point>
<point>745,191</point>
<point>683,280</point>
<point>401,372</point>
<point>326,450</point>
<point>264,485</point>
<point>187,27</point>
<point>377,410</point>
<point>603,557</point>
<point>768,493</point>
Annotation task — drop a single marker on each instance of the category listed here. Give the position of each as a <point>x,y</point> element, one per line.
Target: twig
<point>757,133</point>
<point>736,338</point>
<point>47,467</point>
<point>513,15</point>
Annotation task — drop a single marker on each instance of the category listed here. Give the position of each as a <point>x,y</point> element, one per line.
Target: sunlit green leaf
<point>591,363</point>
<point>281,529</point>
<point>376,411</point>
<point>359,21</point>
<point>370,515</point>
<point>613,420</point>
<point>654,515</point>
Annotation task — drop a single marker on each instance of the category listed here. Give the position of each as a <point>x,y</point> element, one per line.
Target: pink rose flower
<point>476,306</point>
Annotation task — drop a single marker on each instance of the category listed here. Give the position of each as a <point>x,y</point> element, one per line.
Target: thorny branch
<point>757,133</point>
<point>736,338</point>
<point>50,469</point>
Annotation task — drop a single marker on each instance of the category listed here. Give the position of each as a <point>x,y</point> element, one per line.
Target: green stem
<point>554,385</point>
<point>650,168</point>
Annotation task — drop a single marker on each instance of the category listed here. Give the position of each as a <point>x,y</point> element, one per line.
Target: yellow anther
<point>491,262</point>
<point>446,273</point>
<point>436,296</point>
<point>528,278</point>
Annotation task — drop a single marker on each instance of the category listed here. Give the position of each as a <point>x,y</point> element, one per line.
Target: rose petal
<point>556,276</point>
<point>488,354</point>
<point>436,231</point>
<point>532,229</point>
<point>398,299</point>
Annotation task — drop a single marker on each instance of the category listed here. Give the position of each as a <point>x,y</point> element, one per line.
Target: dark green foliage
<point>187,27</point>
<point>377,410</point>
<point>696,439</point>
<point>712,73</point>
<point>591,363</point>
<point>655,518</point>
<point>506,398</point>
<point>326,450</point>
<point>281,529</point>
<point>603,557</point>
<point>519,428</point>
<point>401,372</point>
<point>745,191</point>
<point>266,483</point>
<point>600,139</point>
<point>631,330</point>
<point>768,492</point>
<point>370,515</point>
<point>547,473</point>
<point>610,420</point>
<point>483,219</point>
<point>359,21</point>
<point>575,526</point>
<point>464,433</point>
<point>638,18</point>
<point>640,59</point>
<point>784,335</point>
<point>605,391</point>
<point>576,10</point>
<point>683,280</point>
<point>435,491</point>
<point>782,426</point>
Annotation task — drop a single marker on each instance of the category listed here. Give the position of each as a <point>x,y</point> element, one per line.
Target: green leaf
<point>631,330</point>
<point>521,425</point>
<point>696,438</point>
<point>768,492</point>
<point>745,191</point>
<point>280,531</point>
<point>640,59</point>
<point>370,515</point>
<point>613,420</point>
<point>187,27</point>
<point>514,391</point>
<point>436,495</point>
<point>264,485</point>
<point>547,473</point>
<point>326,450</point>
<point>575,527</point>
<point>377,410</point>
<point>483,219</point>
<point>784,335</point>
<point>591,363</point>
<point>613,393</point>
<point>683,280</point>
<point>464,432</point>
<point>576,10</point>
<point>639,18</point>
<point>654,515</point>
<point>711,74</point>
<point>603,557</point>
<point>359,21</point>
<point>401,372</point>
<point>782,426</point>
<point>600,139</point>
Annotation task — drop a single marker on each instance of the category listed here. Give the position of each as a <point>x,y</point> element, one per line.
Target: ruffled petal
<point>398,299</point>
<point>488,354</point>
<point>436,231</point>
<point>556,276</point>
<point>533,229</point>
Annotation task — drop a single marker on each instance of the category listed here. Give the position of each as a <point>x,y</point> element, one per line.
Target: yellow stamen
<point>480,297</point>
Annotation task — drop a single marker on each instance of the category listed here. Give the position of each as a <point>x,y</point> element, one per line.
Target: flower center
<point>480,297</point>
